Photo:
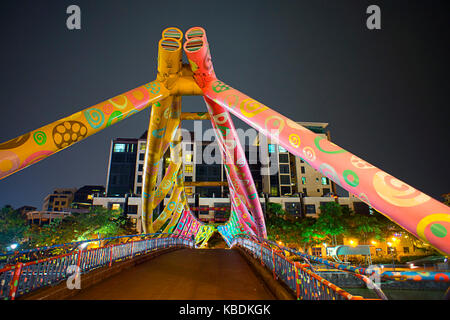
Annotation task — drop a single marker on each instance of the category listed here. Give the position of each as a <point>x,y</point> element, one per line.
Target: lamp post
<point>392,252</point>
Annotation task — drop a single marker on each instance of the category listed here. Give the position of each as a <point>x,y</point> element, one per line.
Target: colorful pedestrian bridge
<point>185,270</point>
<point>413,210</point>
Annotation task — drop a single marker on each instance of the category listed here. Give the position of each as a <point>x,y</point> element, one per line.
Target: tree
<point>310,234</point>
<point>13,227</point>
<point>331,222</point>
<point>99,222</point>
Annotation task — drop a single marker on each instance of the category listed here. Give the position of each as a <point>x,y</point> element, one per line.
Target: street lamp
<point>392,252</point>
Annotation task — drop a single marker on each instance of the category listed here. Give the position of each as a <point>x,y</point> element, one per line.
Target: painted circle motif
<point>230,100</point>
<point>436,226</point>
<point>16,142</point>
<point>9,162</point>
<point>360,163</point>
<point>309,154</point>
<point>397,192</point>
<point>171,205</point>
<point>274,125</point>
<point>107,108</point>
<point>329,172</point>
<point>68,132</point>
<point>294,140</point>
<point>240,162</point>
<point>40,137</point>
<point>153,87</point>
<point>251,108</point>
<point>219,86</point>
<point>317,141</point>
<point>351,178</point>
<point>94,117</point>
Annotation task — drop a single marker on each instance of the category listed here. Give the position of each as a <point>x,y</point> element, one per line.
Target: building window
<point>188,157</point>
<point>305,192</point>
<point>310,208</point>
<point>284,168</point>
<point>119,147</point>
<point>139,190</point>
<point>317,251</point>
<point>188,190</point>
<point>188,178</point>
<point>132,209</point>
<point>143,147</point>
<point>324,181</point>
<point>285,179</point>
<point>281,149</point>
<point>326,191</point>
<point>303,180</point>
<point>189,147</point>
<point>285,190</point>
<point>115,206</point>
<point>142,156</point>
<point>139,178</point>
<point>271,148</point>
<point>274,191</point>
<point>141,167</point>
<point>284,158</point>
<point>188,168</point>
<point>302,169</point>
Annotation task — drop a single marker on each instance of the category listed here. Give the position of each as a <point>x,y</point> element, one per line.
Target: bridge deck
<point>215,274</point>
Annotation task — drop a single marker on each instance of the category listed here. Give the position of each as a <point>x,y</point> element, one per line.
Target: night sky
<point>385,92</point>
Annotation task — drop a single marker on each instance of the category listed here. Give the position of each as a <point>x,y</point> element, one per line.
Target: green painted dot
<point>438,230</point>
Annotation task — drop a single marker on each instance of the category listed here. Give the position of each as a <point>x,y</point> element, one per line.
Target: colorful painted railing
<point>438,276</point>
<point>306,284</point>
<point>23,278</point>
<point>27,255</point>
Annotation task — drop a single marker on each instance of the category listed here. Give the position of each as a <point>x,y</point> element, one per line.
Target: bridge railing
<point>306,284</point>
<point>19,279</point>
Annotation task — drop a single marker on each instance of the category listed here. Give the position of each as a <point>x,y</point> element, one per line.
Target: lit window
<point>188,158</point>
<point>303,180</point>
<point>188,190</point>
<point>119,147</point>
<point>271,148</point>
<point>143,146</point>
<point>188,168</point>
<point>324,180</point>
<point>90,196</point>
<point>281,149</point>
<point>115,206</point>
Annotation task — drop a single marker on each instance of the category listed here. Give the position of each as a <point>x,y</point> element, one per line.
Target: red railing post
<point>297,285</point>
<point>110,255</point>
<point>80,253</point>
<point>14,284</point>
<point>273,265</point>
<point>132,249</point>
